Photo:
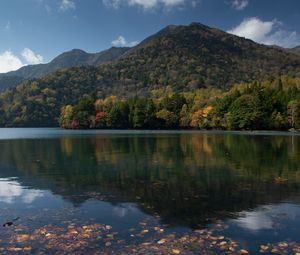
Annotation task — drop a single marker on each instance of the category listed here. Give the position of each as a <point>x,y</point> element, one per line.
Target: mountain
<point>7,81</point>
<point>181,57</point>
<point>295,50</point>
<point>69,59</point>
<point>196,56</point>
<point>164,32</point>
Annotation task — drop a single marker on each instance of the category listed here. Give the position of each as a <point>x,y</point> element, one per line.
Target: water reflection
<point>201,176</point>
<point>11,192</point>
<point>255,220</point>
<point>189,180</point>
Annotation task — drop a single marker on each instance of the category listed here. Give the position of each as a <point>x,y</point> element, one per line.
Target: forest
<point>181,77</point>
<point>269,105</point>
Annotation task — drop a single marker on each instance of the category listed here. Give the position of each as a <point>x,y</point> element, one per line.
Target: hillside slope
<point>181,57</point>
<point>196,56</point>
<point>69,59</point>
<point>295,50</point>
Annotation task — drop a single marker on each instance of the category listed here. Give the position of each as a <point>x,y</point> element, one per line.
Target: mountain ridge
<point>72,58</point>
<point>295,50</point>
<point>180,58</point>
<point>78,57</point>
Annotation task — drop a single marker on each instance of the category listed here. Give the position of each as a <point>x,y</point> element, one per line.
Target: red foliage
<point>74,124</point>
<point>100,115</point>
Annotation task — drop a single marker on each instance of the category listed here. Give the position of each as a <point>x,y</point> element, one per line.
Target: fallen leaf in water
<point>244,251</point>
<point>274,250</point>
<point>27,248</point>
<point>72,232</point>
<point>283,245</point>
<point>264,247</point>
<point>14,249</point>
<point>175,251</point>
<point>22,238</point>
<point>161,241</point>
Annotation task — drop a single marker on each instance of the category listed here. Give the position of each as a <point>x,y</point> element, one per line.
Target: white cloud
<point>266,32</point>
<point>148,4</point>
<point>133,43</point>
<point>121,42</point>
<point>66,5</point>
<point>239,4</point>
<point>9,62</point>
<point>112,3</point>
<point>31,58</point>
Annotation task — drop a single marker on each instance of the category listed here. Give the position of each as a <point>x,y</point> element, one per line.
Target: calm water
<point>180,181</point>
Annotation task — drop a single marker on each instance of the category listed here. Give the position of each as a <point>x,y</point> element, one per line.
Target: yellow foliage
<point>207,111</point>
<point>99,105</point>
<point>200,115</point>
<point>110,101</point>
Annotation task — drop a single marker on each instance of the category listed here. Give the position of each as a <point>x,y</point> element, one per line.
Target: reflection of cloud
<point>12,190</point>
<point>9,190</point>
<point>255,221</point>
<point>31,195</point>
<point>122,210</point>
<point>267,217</point>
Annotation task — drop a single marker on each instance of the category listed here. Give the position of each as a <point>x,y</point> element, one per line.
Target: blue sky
<point>35,31</point>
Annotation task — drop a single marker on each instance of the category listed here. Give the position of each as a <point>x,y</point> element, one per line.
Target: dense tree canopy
<point>274,104</point>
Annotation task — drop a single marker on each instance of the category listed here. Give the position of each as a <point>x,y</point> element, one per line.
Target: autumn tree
<point>294,114</point>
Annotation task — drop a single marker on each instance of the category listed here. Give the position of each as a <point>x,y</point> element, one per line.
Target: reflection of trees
<point>186,178</point>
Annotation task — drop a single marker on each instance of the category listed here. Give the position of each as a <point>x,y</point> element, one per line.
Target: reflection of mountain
<point>187,179</point>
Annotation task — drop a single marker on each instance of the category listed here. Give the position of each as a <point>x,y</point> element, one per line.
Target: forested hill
<point>183,58</point>
<point>295,50</point>
<point>196,56</point>
<point>68,59</point>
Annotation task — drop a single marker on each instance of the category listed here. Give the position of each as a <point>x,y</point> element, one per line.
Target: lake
<point>149,192</point>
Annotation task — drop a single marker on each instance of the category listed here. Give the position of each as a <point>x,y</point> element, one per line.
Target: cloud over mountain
<point>11,62</point>
<point>31,57</point>
<point>266,32</point>
<point>121,42</point>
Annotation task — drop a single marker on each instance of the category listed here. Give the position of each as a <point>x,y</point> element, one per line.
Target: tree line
<point>270,105</point>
